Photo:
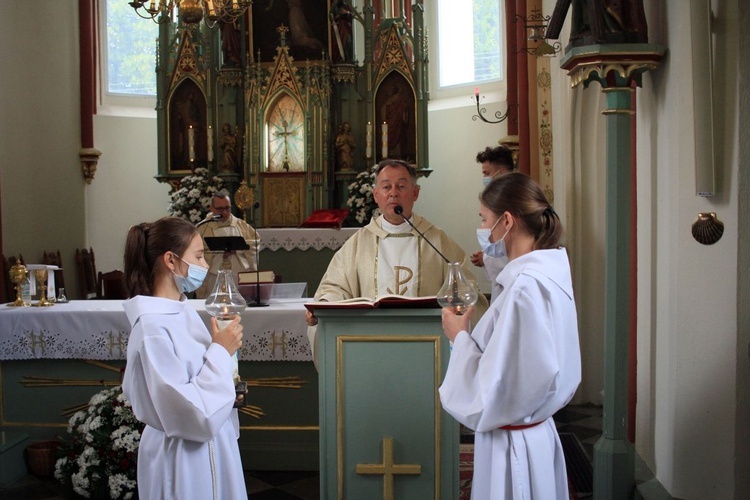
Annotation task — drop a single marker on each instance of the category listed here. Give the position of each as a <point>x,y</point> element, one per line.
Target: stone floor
<point>585,421</point>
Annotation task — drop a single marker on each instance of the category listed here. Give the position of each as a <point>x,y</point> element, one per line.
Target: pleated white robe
<point>180,385</point>
<point>519,366</point>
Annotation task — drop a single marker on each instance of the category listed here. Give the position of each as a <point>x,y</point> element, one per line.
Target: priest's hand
<point>310,318</point>
<point>229,337</point>
<point>477,258</point>
<point>454,323</point>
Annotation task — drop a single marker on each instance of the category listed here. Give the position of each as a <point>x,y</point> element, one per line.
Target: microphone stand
<point>399,210</point>
<point>257,302</point>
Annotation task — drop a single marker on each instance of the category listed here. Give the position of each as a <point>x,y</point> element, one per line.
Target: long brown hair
<point>523,198</point>
<point>145,243</point>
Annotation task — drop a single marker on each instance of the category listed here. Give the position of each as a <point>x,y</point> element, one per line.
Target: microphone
<point>399,210</point>
<point>210,218</point>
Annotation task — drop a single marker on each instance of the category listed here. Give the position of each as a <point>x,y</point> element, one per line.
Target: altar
<point>300,255</point>
<point>53,359</point>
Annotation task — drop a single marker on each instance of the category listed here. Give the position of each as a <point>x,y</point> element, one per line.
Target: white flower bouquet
<point>100,460</point>
<point>192,198</point>
<point>360,200</point>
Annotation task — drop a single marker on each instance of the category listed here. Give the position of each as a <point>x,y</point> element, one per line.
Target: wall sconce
<point>89,159</point>
<point>480,111</point>
<point>536,25</point>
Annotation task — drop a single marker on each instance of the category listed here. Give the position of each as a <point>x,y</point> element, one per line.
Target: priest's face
<point>394,186</point>
<point>221,207</point>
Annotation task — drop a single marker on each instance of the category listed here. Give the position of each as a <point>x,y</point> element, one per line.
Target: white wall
<point>41,186</point>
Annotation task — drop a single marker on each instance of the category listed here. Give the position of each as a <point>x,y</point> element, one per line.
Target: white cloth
<point>180,386</point>
<point>492,267</point>
<point>519,366</point>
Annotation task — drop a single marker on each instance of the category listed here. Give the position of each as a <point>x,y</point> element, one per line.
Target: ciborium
<point>41,281</point>
<point>18,276</point>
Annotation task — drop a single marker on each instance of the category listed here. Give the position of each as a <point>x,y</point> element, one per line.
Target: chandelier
<point>191,11</point>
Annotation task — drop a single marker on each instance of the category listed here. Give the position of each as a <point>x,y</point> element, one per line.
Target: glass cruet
<point>457,293</point>
<point>224,303</point>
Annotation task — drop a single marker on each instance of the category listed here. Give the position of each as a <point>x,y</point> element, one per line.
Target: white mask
<point>483,234</point>
<point>496,249</point>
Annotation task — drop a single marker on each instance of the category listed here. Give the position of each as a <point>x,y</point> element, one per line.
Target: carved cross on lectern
<point>388,469</point>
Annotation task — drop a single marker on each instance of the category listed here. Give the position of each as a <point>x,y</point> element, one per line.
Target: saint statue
<point>345,148</point>
<point>231,148</point>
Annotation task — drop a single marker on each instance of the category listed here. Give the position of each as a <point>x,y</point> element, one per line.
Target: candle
<point>210,139</point>
<point>384,146</point>
<point>211,9</point>
<point>191,142</point>
<point>368,145</point>
<point>384,151</point>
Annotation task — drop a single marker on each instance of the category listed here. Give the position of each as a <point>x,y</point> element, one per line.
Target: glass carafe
<point>224,303</point>
<point>457,292</point>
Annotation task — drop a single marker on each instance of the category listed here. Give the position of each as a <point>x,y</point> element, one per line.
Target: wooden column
<point>618,69</point>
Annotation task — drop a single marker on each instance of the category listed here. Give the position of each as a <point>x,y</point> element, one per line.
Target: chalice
<point>41,280</point>
<point>18,275</point>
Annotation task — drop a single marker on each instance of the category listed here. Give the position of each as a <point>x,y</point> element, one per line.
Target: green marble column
<point>617,68</point>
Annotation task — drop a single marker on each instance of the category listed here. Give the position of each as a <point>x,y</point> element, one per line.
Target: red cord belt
<point>519,427</point>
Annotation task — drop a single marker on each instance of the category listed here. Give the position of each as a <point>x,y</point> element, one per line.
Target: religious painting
<point>395,115</point>
<point>307,21</point>
<point>188,134</point>
<point>342,21</point>
<point>285,136</point>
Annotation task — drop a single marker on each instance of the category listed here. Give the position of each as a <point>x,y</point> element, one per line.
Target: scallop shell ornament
<point>707,230</point>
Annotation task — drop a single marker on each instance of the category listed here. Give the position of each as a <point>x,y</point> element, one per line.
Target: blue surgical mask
<point>486,181</point>
<point>496,249</point>
<point>194,279</point>
<point>483,234</point>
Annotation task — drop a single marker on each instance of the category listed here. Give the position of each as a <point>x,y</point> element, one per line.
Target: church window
<point>469,42</point>
<point>127,50</point>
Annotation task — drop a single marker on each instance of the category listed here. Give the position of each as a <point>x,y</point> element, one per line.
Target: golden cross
<point>388,469</point>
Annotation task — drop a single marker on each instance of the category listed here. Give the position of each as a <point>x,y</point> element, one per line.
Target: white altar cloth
<point>99,329</point>
<point>286,238</point>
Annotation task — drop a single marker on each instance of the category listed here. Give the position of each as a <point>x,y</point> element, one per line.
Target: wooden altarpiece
<point>288,108</point>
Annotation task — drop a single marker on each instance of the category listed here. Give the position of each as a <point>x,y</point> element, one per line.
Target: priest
<point>221,222</point>
<point>388,256</point>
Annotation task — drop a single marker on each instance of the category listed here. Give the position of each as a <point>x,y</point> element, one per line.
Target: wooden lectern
<point>383,432</point>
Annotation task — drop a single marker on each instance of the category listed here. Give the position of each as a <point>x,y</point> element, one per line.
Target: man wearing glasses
<point>221,222</point>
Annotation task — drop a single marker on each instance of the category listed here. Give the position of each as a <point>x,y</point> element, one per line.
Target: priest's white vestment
<point>353,270</point>
<point>238,261</point>
<point>180,385</point>
<point>519,366</point>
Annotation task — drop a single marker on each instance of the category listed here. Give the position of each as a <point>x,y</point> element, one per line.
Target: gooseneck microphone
<point>210,218</point>
<point>399,210</point>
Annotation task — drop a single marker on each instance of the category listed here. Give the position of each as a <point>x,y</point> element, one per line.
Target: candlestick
<point>210,139</point>
<point>191,142</point>
<point>368,142</point>
<point>384,147</point>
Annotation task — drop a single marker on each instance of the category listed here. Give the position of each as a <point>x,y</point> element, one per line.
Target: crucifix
<point>285,137</point>
<point>388,469</point>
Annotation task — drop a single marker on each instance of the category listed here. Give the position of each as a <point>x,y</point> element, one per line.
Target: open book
<point>384,302</point>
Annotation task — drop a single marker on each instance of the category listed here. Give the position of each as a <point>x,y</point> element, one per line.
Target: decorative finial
<point>283,30</point>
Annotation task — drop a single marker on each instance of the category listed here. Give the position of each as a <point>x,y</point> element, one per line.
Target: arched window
<point>470,42</point>
<point>127,51</point>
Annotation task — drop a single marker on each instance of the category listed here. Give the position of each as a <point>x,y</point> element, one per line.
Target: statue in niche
<point>601,21</point>
<point>307,21</point>
<point>231,148</point>
<point>396,110</point>
<point>342,17</point>
<point>231,44</point>
<point>187,108</point>
<point>345,148</point>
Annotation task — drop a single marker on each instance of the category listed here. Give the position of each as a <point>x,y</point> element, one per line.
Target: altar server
<point>179,376</point>
<point>521,363</point>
